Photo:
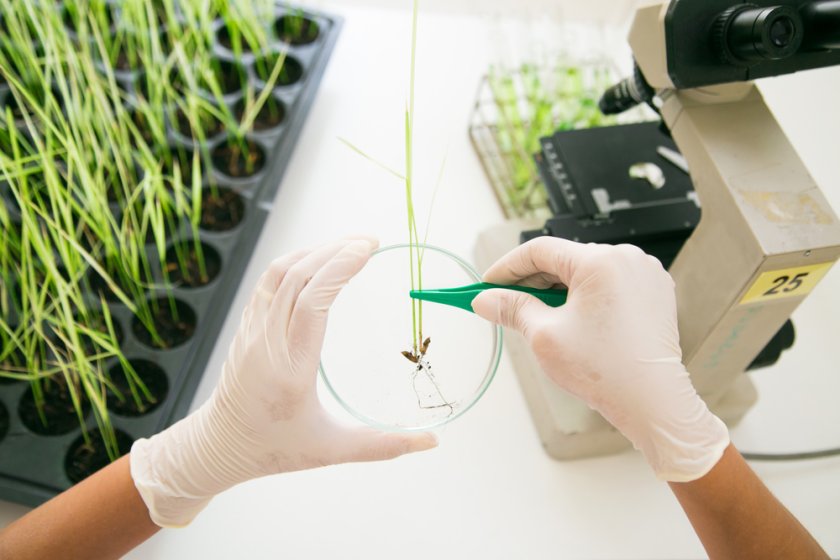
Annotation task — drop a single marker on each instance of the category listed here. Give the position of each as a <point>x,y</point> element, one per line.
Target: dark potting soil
<point>123,62</point>
<point>72,18</point>
<point>16,228</point>
<point>113,188</point>
<point>238,158</point>
<point>296,30</point>
<point>99,286</point>
<point>271,114</point>
<point>184,158</point>
<point>40,95</point>
<point>159,9</point>
<point>227,41</point>
<point>231,76</point>
<point>58,409</point>
<point>141,85</point>
<point>210,126</point>
<point>182,265</point>
<point>83,458</point>
<point>38,195</point>
<point>143,128</point>
<point>222,209</point>
<point>173,329</point>
<point>116,184</point>
<point>153,378</point>
<point>126,58</point>
<point>145,86</point>
<point>290,73</point>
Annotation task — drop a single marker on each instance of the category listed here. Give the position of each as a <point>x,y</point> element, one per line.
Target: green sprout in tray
<point>101,210</point>
<point>517,107</point>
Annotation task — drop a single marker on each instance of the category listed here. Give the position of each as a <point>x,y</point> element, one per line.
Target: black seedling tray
<point>32,466</point>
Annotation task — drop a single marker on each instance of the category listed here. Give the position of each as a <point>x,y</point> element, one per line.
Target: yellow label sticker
<point>788,282</point>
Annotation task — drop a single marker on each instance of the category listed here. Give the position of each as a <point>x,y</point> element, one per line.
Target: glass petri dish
<point>370,326</point>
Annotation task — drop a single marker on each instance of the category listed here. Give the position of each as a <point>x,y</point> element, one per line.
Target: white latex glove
<point>264,416</point>
<point>614,344</point>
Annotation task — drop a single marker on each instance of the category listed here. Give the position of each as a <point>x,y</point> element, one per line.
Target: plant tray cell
<point>36,467</point>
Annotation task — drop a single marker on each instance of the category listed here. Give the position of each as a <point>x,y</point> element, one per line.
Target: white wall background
<point>609,11</point>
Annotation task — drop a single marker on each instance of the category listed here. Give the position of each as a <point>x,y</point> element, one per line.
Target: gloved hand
<point>264,416</point>
<point>614,344</point>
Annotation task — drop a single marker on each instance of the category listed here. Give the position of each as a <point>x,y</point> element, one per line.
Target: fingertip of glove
<point>371,445</point>
<point>424,442</point>
<point>365,243</point>
<point>485,305</point>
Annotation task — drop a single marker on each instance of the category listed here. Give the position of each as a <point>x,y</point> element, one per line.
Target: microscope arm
<point>767,235</point>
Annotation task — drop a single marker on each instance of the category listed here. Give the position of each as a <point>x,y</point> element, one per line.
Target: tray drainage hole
<point>270,115</point>
<point>127,397</point>
<point>238,157</point>
<point>59,412</point>
<point>191,265</point>
<point>86,457</point>
<point>290,73</point>
<point>222,209</point>
<point>4,421</point>
<point>173,322</point>
<point>296,29</point>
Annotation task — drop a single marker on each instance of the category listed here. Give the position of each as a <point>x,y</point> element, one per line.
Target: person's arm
<point>615,345</point>
<point>736,516</point>
<point>263,418</point>
<point>101,517</point>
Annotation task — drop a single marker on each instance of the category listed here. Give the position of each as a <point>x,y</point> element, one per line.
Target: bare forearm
<point>736,516</point>
<point>101,517</point>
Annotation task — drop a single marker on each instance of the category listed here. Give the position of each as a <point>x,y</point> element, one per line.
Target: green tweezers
<point>462,297</point>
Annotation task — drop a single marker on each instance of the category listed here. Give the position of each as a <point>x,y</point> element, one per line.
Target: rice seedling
<point>516,107</point>
<point>100,207</point>
<point>295,28</point>
<point>421,373</point>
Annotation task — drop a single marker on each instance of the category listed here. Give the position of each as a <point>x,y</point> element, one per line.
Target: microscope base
<point>567,427</point>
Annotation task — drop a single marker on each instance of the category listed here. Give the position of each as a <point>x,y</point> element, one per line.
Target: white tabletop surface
<point>489,490</point>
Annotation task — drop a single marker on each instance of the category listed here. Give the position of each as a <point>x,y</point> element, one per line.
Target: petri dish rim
<point>485,384</point>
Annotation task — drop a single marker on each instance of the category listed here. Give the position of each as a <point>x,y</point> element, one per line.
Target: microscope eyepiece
<point>710,42</point>
<point>782,33</point>
<point>747,34</point>
<point>822,25</point>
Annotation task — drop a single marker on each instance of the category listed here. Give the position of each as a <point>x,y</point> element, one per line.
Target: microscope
<point>744,229</point>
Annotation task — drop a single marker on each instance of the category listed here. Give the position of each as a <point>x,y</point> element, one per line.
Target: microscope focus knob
<point>747,34</point>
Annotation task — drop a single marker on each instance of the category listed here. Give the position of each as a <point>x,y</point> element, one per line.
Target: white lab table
<point>489,490</point>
